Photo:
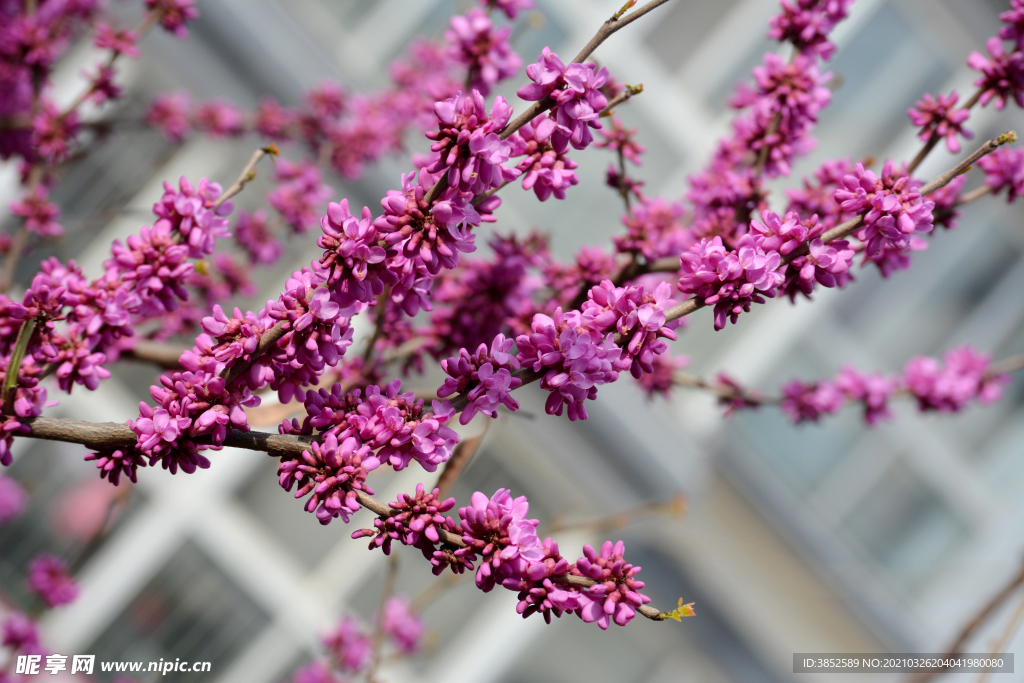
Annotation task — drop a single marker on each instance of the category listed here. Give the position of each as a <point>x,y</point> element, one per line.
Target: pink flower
<point>1002,75</point>
<point>617,594</point>
<point>48,578</point>
<point>174,14</point>
<point>218,118</point>
<point>939,117</point>
<point>484,51</point>
<point>170,113</point>
<point>40,214</point>
<point>403,627</point>
<point>1004,168</point>
<point>349,646</point>
<point>13,499</point>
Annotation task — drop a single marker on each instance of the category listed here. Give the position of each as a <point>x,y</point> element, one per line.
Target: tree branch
<point>248,173</point>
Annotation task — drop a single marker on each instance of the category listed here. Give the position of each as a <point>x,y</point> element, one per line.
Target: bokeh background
<point>831,538</point>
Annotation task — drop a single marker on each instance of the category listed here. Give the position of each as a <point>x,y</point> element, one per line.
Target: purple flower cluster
<point>939,118</point>
<point>170,112</point>
<point>544,170</point>
<point>253,234</point>
<point>654,229</point>
<point>482,49</point>
<point>299,194</point>
<point>21,635</point>
<point>1002,76</point>
<point>617,595</point>
<point>467,146</point>
<point>965,377</point>
<point>807,23</point>
<point>422,236</point>
<point>730,279</point>
<point>387,421</point>
<point>895,209</point>
<point>401,625</point>
<point>39,213</point>
<point>415,520</point>
<point>484,377</point>
<point>497,532</point>
<point>783,110</point>
<point>511,8</point>
<point>49,579</point>
<point>474,303</point>
<point>1014,18</point>
<point>13,499</point>
<point>174,14</point>
<point>349,646</point>
<point>1004,168</point>
<point>579,100</point>
<point>332,472</point>
<point>219,119</point>
<point>575,360</point>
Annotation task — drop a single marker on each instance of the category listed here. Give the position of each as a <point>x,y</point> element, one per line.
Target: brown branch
<point>675,507</point>
<point>378,327</point>
<point>461,455</point>
<point>248,173</point>
<point>269,338</point>
<point>976,621</point>
<point>378,627</point>
<point>158,353</point>
<point>107,436</point>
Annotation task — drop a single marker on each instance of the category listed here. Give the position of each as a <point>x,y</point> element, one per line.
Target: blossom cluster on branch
<point>494,323</point>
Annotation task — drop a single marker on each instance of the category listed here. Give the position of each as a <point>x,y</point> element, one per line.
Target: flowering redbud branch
<point>935,137</point>
<point>149,22</point>
<point>25,332</point>
<point>607,28</point>
<point>248,173</point>
<point>968,630</point>
<point>106,436</point>
<point>111,435</point>
<point>937,183</point>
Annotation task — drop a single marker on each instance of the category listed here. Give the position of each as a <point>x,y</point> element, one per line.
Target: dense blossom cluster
<point>939,118</point>
<point>574,326</point>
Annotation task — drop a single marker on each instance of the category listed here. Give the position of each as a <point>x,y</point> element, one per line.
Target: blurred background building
<point>831,538</point>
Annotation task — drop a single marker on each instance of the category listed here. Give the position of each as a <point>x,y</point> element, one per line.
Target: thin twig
<point>18,245</point>
<point>1012,627</point>
<point>976,621</point>
<point>609,27</point>
<point>378,627</point>
<point>248,173</point>
<point>378,327</point>
<point>675,507</point>
<point>461,455</point>
<point>269,338</point>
